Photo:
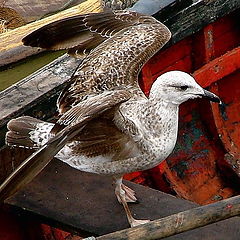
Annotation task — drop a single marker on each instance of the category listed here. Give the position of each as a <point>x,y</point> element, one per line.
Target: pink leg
<point>125,194</point>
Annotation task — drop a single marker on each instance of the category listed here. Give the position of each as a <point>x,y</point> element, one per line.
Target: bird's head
<point>177,87</point>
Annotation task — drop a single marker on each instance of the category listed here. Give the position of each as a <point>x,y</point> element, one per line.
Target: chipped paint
<point>180,168</point>
<point>222,110</point>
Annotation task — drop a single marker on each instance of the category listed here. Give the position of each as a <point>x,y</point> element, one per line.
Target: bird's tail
<point>28,132</point>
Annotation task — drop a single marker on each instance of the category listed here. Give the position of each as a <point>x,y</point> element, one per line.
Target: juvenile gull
<point>106,124</point>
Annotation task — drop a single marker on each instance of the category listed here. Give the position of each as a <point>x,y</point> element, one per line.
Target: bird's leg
<point>123,193</point>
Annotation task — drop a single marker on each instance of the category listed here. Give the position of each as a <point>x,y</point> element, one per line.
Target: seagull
<point>106,124</point>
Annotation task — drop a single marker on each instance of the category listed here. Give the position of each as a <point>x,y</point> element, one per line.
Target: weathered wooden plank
<point>32,10</point>
<point>193,18</point>
<point>151,7</point>
<point>90,205</point>
<point>37,89</point>
<point>180,222</point>
<point>11,47</point>
<point>30,89</point>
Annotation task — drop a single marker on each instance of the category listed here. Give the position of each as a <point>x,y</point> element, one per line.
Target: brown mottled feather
<point>19,129</point>
<point>80,30</point>
<point>99,137</point>
<point>119,44</point>
<point>37,161</point>
<point>98,130</point>
<point>108,99</point>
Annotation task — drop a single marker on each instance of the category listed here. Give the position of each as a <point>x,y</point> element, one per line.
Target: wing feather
<point>80,30</point>
<point>39,159</point>
<point>107,99</point>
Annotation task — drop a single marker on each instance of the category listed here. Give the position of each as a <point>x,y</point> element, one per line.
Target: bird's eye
<point>183,88</point>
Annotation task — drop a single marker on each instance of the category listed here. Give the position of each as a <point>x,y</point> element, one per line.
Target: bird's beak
<point>211,96</point>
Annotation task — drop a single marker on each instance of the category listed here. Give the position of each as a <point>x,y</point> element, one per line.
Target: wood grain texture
<point>89,206</point>
<point>32,10</point>
<point>15,99</point>
<point>193,18</point>
<point>180,222</point>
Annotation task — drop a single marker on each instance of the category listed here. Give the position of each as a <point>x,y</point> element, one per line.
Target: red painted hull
<point>203,167</point>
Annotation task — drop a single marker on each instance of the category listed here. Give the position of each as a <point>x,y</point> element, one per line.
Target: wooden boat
<point>204,166</point>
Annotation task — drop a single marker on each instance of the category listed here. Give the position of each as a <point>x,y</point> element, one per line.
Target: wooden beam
<point>87,203</point>
<point>169,7</point>
<point>193,18</point>
<point>11,47</point>
<point>32,10</point>
<point>39,86</point>
<point>218,68</point>
<point>180,222</point>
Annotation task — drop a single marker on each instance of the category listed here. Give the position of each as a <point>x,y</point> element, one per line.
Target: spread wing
<point>77,119</point>
<point>82,33</point>
<point>119,43</point>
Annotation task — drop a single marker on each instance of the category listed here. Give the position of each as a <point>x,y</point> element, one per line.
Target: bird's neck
<point>157,123</point>
<point>160,113</point>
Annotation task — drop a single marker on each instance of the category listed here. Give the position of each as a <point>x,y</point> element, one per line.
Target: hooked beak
<point>211,96</point>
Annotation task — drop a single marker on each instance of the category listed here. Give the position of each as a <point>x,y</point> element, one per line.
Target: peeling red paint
<point>206,132</point>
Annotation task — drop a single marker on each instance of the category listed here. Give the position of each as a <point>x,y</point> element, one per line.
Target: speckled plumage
<point>118,129</point>
<point>117,61</point>
<point>118,4</point>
